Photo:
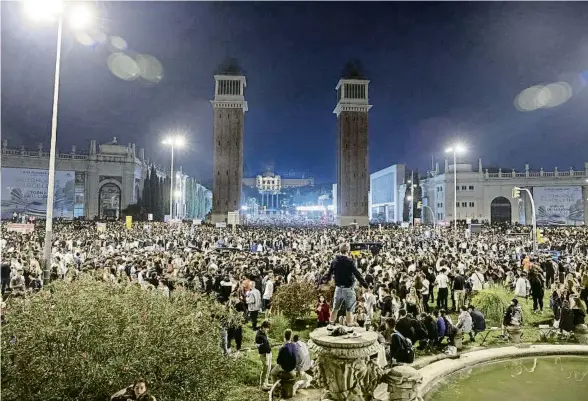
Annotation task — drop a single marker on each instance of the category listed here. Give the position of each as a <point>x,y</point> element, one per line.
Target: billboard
<point>559,205</point>
<point>24,190</point>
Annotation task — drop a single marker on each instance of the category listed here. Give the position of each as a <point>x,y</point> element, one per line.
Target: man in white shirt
<point>477,279</point>
<point>268,292</point>
<point>442,282</point>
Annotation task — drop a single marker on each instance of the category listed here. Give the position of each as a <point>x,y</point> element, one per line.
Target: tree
<point>295,300</point>
<point>147,196</point>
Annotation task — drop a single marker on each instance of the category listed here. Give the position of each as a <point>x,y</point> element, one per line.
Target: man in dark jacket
<point>265,354</point>
<point>478,322</point>
<point>287,356</point>
<point>344,270</point>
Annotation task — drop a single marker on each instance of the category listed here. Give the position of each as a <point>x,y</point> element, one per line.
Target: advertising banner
<point>101,227</point>
<point>24,190</point>
<point>559,205</point>
<point>129,222</point>
<point>21,228</point>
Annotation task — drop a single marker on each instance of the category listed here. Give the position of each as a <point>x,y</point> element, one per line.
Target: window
<point>441,204</point>
<point>463,187</point>
<point>471,187</point>
<point>456,204</point>
<point>457,188</point>
<point>464,204</point>
<point>471,204</point>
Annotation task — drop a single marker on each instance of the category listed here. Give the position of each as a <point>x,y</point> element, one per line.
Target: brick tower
<point>229,111</point>
<point>352,153</point>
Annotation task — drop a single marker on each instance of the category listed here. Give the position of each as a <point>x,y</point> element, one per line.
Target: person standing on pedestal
<point>343,267</point>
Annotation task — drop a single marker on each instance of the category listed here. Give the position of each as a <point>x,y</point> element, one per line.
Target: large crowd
<point>411,279</point>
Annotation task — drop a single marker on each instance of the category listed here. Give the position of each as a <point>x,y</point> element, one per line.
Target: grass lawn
<point>252,366</point>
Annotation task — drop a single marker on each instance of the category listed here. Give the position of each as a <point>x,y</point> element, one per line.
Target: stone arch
<point>500,210</point>
<point>109,199</point>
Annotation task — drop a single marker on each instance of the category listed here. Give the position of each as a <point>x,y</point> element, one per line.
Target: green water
<point>528,379</point>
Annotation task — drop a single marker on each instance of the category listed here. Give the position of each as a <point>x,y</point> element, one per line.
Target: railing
<point>559,174</point>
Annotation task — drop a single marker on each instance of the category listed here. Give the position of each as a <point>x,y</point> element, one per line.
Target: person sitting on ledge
<point>513,317</point>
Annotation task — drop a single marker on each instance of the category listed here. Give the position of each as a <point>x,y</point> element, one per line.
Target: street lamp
<point>173,141</point>
<point>79,17</point>
<point>455,149</point>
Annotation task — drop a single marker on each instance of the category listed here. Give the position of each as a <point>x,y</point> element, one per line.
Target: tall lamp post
<point>455,149</point>
<point>79,17</point>
<point>172,141</point>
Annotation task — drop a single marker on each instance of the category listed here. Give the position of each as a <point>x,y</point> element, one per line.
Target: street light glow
<point>80,17</point>
<point>409,198</point>
<point>458,148</point>
<point>177,140</point>
<point>43,10</point>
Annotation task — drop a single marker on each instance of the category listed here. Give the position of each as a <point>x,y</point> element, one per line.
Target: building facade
<point>385,206</point>
<point>229,116</point>
<point>352,152</point>
<point>98,183</point>
<point>559,196</point>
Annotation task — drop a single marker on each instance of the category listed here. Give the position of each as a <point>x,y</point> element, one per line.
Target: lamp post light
<point>172,141</point>
<point>455,149</point>
<point>79,17</point>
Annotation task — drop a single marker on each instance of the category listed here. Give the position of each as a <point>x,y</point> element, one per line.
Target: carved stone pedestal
<point>514,334</point>
<point>403,383</point>
<point>287,381</point>
<point>581,333</point>
<point>346,366</point>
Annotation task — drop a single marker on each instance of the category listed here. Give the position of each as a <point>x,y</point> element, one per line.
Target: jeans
<point>344,295</point>
<point>459,298</point>
<point>253,315</point>
<point>266,366</point>
<point>442,298</point>
<point>538,302</point>
<point>235,333</point>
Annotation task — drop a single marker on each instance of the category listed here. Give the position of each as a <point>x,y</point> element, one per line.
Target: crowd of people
<point>412,278</point>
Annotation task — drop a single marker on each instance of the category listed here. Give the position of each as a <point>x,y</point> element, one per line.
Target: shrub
<point>492,302</point>
<point>88,339</point>
<point>278,324</point>
<point>295,300</point>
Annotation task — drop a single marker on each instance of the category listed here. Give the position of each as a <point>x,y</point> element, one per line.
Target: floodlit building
<point>486,194</point>
<point>385,204</point>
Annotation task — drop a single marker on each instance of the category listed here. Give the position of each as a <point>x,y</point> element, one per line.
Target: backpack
<point>406,354</point>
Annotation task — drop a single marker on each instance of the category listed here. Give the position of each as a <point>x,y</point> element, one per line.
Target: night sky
<point>438,71</point>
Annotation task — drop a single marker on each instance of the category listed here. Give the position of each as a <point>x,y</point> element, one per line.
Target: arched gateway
<point>500,210</point>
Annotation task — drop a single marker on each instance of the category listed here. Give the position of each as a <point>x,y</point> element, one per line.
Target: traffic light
<point>420,205</point>
<point>516,193</point>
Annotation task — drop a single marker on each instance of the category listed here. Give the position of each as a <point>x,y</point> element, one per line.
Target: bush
<point>88,339</point>
<point>295,300</point>
<point>492,302</point>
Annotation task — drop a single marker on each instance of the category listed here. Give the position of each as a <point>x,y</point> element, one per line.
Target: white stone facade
<point>477,190</point>
<point>385,204</point>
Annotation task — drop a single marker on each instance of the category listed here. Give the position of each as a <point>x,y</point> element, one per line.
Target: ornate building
<point>352,153</point>
<point>100,182</point>
<point>560,196</point>
<point>229,113</point>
